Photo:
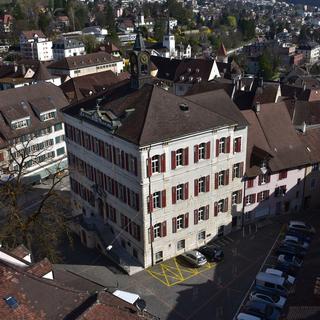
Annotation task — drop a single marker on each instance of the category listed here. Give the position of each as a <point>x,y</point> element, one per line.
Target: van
<point>272,283</point>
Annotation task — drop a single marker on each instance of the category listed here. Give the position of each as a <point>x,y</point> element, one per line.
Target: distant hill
<point>309,2</point>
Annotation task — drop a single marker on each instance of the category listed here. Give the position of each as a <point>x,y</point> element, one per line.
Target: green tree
<point>248,28</point>
<point>268,64</point>
<point>44,22</point>
<point>159,30</point>
<point>90,43</point>
<point>232,22</point>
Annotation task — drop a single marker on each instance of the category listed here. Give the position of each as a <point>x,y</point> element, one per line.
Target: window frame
<point>201,213</point>
<point>202,185</point>
<point>157,231</point>
<point>180,222</point>
<point>179,157</point>
<point>156,200</point>
<point>222,145</point>
<point>202,151</point>
<point>180,192</point>
<point>155,164</point>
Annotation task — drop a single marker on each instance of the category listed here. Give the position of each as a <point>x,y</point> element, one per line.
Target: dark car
<point>299,235</point>
<point>212,253</point>
<point>289,269</point>
<point>262,310</point>
<point>291,250</point>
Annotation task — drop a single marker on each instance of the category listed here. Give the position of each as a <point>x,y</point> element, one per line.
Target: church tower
<point>169,41</point>
<point>140,64</point>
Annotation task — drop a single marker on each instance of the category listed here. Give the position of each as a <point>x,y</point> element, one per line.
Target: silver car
<point>301,226</point>
<point>195,258</point>
<point>273,299</point>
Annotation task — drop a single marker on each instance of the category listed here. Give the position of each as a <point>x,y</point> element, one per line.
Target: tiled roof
<point>31,33</point>
<point>20,251</point>
<point>40,268</point>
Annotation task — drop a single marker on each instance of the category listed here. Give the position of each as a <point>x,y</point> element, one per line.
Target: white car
<point>195,258</point>
<point>291,261</point>
<point>282,274</point>
<point>273,299</point>
<point>301,226</point>
<point>294,241</point>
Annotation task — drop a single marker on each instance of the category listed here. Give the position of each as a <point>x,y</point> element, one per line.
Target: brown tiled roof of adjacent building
<point>157,115</point>
<point>20,251</point>
<point>222,52</point>
<point>40,268</point>
<point>84,61</point>
<point>311,140</point>
<point>31,33</point>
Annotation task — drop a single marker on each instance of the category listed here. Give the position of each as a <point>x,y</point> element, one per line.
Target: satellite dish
<point>140,304</point>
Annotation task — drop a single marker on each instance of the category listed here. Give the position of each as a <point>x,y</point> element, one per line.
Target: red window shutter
<point>150,203</point>
<point>163,199</point>
<point>1,156</point>
<point>206,217</point>
<point>196,187</point>
<point>239,145</point>
<point>267,194</point>
<point>227,177</point>
<point>149,168</point>
<point>253,198</point>
<point>259,196</point>
<point>217,147</point>
<point>267,178</point>
<point>174,225</point>
<point>233,171</point>
<point>164,229</point>
<point>215,209</point>
<point>196,216</point>
<point>228,144</point>
<point>186,156</point>
<point>216,180</point>
<point>239,198</point>
<point>163,163</point>
<point>241,169</point>
<point>196,154</point>
<point>208,150</point>
<point>259,179</point>
<point>226,200</point>
<point>186,220</point>
<point>151,234</point>
<point>207,183</point>
<point>186,191</point>
<point>173,160</point>
<point>284,174</point>
<point>174,195</point>
<point>250,183</point>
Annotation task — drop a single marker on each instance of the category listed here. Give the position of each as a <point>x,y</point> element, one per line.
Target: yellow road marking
<point>178,268</point>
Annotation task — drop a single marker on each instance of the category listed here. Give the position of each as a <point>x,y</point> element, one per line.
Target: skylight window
<point>11,302</point>
<point>48,115</point>
<point>21,123</point>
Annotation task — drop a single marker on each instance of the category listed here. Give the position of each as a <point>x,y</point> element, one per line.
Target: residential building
<point>6,22</point>
<point>96,31</point>
<point>31,129</point>
<point>35,45</point>
<point>64,47</point>
<point>311,52</point>
<point>86,64</point>
<point>154,174</point>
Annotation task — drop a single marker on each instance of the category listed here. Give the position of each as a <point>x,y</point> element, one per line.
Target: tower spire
<point>139,42</point>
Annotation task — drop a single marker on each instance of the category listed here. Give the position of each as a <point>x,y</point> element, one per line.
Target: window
<point>250,199</point>
<point>280,191</point>
<point>179,192</point>
<point>159,256</point>
<point>156,200</point>
<point>20,124</point>
<point>282,174</point>
<point>236,197</point>
<point>180,222</point>
<point>250,183</point>
<point>222,145</point>
<point>202,151</point>
<point>58,126</point>
<point>221,178</point>
<point>179,157</point>
<point>264,178</point>
<point>155,164</point>
<point>60,151</point>
<point>201,213</point>
<point>60,139</point>
<point>237,144</point>
<point>181,244</point>
<point>48,116</point>
<point>201,235</point>
<point>263,195</point>
<point>237,170</point>
<point>202,184</point>
<point>157,231</point>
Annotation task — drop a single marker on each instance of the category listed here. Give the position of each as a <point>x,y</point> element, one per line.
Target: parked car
<point>246,316</point>
<point>269,298</point>
<point>271,283</point>
<point>195,258</point>
<point>301,236</point>
<point>281,273</point>
<point>212,253</point>
<point>290,260</point>
<point>284,249</point>
<point>262,310</point>
<point>290,270</point>
<point>294,241</point>
<point>301,227</point>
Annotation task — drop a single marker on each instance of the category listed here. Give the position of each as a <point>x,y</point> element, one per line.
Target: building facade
<point>63,48</point>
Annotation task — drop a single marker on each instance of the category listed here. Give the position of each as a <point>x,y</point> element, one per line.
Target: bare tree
<point>41,226</point>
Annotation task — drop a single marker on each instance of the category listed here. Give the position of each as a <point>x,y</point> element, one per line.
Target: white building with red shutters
<point>154,174</point>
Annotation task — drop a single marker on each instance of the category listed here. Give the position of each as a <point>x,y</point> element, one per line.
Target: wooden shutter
<point>163,163</point>
<point>239,197</point>
<point>260,179</point>
<point>216,180</point>
<point>163,199</point>
<point>174,225</point>
<point>228,145</point>
<point>150,203</point>
<point>253,198</point>
<point>226,200</point>
<point>217,147</point>
<point>267,194</point>
<point>207,150</point>
<point>241,169</point>
<point>163,228</point>
<point>196,187</point>
<point>186,220</point>
<point>226,177</point>
<point>207,183</point>
<point>250,183</point>
<point>215,208</point>
<point>151,233</point>
<point>186,191</point>
<point>149,168</point>
<point>196,153</point>
<point>174,195</point>
<point>267,178</point>
<point>196,216</point>
<point>186,156</point>
<point>126,163</point>
<point>173,160</point>
<point>233,175</point>
<point>206,215</point>
<point>259,196</point>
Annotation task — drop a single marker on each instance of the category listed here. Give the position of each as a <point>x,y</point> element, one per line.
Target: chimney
<point>257,107</point>
<point>23,69</point>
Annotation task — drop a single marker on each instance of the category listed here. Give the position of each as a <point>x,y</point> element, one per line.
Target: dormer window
<point>21,123</point>
<point>45,116</point>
